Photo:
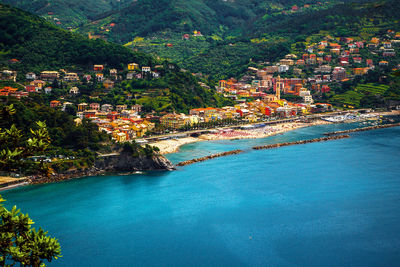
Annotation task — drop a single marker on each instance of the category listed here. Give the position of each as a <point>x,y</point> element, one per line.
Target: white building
<point>283,68</point>
<point>30,76</point>
<point>74,91</point>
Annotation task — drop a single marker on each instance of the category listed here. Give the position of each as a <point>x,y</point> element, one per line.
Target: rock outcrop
<point>125,162</point>
<point>114,163</point>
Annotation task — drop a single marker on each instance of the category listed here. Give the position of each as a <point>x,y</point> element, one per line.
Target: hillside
<point>167,29</point>
<point>68,13</point>
<point>342,19</point>
<point>38,45</point>
<point>149,18</point>
<point>271,36</point>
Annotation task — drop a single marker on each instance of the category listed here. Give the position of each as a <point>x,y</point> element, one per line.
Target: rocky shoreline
<point>116,163</point>
<point>322,139</point>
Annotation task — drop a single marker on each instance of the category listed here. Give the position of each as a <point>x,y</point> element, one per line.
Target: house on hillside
<point>133,66</point>
<point>74,91</point>
<point>130,75</point>
<point>8,75</point>
<point>31,88</point>
<point>55,104</point>
<point>82,106</point>
<point>383,63</point>
<point>99,77</point>
<point>38,83</point>
<point>106,107</point>
<point>49,75</point>
<point>120,108</point>
<point>108,84</point>
<point>48,90</point>
<point>113,73</point>
<point>98,67</point>
<point>137,108</point>
<point>30,76</point>
<point>94,106</point>
<point>146,69</point>
<point>71,77</point>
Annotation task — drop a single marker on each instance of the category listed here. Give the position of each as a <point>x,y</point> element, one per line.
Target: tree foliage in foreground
<point>14,146</point>
<point>20,243</point>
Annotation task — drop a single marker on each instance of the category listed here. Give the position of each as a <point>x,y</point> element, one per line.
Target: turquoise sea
<point>334,203</point>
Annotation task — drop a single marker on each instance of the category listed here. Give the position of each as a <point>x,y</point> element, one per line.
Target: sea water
<point>333,203</point>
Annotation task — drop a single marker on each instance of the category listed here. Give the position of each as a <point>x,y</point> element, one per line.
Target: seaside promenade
<point>271,122</point>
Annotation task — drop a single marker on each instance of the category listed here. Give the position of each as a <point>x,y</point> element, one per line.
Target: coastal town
<point>258,96</point>
<point>199,132</point>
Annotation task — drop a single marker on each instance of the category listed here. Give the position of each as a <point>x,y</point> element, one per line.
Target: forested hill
<point>68,13</point>
<point>342,19</point>
<point>149,17</point>
<point>39,45</point>
<point>275,35</point>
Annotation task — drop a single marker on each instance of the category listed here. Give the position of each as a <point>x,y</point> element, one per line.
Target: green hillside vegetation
<point>38,45</point>
<point>174,90</point>
<point>148,18</point>
<point>344,19</point>
<point>362,96</point>
<point>70,13</point>
<point>275,34</point>
<point>57,134</point>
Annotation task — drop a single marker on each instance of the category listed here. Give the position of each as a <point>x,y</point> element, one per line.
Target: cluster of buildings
<point>271,105</point>
<point>331,60</point>
<point>257,94</point>
<point>41,83</point>
<point>121,122</point>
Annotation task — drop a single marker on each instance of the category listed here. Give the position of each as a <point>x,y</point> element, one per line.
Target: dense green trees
<point>70,12</point>
<point>16,146</point>
<point>38,45</point>
<point>21,244</point>
<point>22,137</point>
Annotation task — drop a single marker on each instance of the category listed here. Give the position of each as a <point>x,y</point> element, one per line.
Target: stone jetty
<point>364,129</point>
<point>322,139</point>
<point>223,154</point>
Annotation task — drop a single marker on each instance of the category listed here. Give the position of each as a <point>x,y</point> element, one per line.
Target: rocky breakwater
<point>121,162</point>
<point>322,139</point>
<point>223,154</point>
<point>364,129</point>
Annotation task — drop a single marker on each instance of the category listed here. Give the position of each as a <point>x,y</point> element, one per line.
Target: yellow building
<point>108,84</point>
<point>375,40</point>
<point>252,118</point>
<point>174,121</point>
<point>82,107</point>
<point>120,137</point>
<point>359,71</point>
<point>222,83</point>
<point>133,66</point>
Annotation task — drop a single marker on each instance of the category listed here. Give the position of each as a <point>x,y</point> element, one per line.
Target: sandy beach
<point>173,145</point>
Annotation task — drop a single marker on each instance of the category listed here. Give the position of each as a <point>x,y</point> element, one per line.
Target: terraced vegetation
<point>358,97</point>
<point>372,88</point>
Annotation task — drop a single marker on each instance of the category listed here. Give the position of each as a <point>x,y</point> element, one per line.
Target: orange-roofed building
<point>98,67</point>
<point>55,103</point>
<point>375,40</point>
<point>335,45</point>
<point>222,83</point>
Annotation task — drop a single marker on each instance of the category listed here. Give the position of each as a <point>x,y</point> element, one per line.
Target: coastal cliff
<point>122,162</point>
<point>125,162</point>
